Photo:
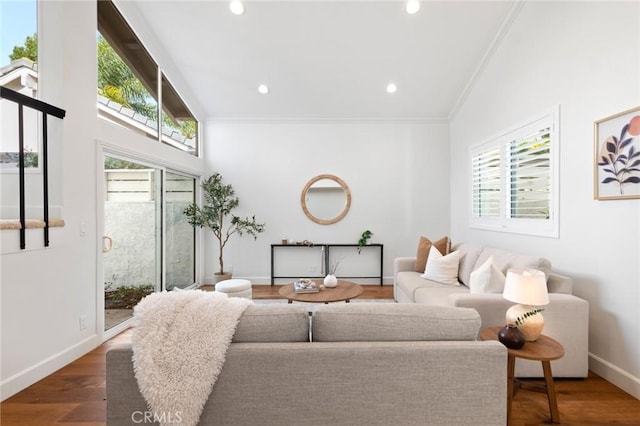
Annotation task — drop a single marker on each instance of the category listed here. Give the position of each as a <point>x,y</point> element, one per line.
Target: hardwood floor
<point>75,394</point>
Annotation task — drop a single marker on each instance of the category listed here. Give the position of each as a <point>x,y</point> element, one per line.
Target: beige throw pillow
<point>442,269</point>
<point>424,245</point>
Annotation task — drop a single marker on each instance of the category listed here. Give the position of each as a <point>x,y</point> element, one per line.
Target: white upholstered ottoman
<point>235,288</point>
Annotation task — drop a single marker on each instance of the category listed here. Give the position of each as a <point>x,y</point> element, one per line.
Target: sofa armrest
<point>403,264</point>
<point>491,307</point>
<point>566,319</point>
<point>559,284</point>
<point>123,395</point>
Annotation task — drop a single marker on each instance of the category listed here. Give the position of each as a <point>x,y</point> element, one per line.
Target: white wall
<point>45,291</point>
<point>584,56</point>
<point>397,173</point>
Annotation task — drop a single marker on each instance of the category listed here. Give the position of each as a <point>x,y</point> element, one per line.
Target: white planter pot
<point>221,277</point>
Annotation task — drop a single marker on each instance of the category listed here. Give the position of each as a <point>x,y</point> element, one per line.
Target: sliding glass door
<point>180,241</point>
<point>132,239</point>
<point>147,243</point>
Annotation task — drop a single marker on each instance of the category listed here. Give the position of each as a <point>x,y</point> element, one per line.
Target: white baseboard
<point>26,378</point>
<point>615,375</point>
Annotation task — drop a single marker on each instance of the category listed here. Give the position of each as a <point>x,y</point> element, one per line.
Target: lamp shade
<point>526,286</point>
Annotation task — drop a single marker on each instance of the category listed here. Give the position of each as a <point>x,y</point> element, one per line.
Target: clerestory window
<point>514,179</point>
<point>133,91</point>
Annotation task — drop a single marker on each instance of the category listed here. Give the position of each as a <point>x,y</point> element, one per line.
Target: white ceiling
<point>328,59</point>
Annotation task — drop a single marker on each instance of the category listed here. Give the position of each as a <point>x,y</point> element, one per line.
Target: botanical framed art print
<point>617,156</point>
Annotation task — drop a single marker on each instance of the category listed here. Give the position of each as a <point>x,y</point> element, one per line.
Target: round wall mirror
<point>325,199</point>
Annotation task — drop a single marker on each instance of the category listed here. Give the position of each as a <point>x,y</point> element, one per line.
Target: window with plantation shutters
<point>487,183</point>
<point>514,179</point>
<point>529,176</point>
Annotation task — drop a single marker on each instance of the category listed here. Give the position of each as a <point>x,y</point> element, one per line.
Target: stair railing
<point>47,110</point>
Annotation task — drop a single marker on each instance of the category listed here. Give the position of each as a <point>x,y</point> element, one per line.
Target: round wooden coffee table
<point>345,290</point>
<point>544,349</point>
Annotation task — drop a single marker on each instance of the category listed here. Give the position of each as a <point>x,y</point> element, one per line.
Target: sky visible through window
<point>17,21</point>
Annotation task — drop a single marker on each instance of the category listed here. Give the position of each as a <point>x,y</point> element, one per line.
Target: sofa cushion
<point>410,281</point>
<point>273,323</point>
<point>487,278</point>
<point>507,259</point>
<point>438,294</point>
<point>424,245</point>
<point>468,257</point>
<point>442,269</point>
<point>370,322</point>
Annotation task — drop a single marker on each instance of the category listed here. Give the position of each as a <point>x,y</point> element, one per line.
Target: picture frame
<point>616,174</point>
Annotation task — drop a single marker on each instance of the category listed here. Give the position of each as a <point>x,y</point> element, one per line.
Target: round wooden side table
<point>545,350</point>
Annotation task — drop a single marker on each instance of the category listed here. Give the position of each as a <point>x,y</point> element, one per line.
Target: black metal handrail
<point>46,109</point>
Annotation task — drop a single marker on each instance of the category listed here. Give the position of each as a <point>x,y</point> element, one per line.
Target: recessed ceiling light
<point>236,7</point>
<point>412,7</point>
<point>391,88</point>
<point>263,88</point>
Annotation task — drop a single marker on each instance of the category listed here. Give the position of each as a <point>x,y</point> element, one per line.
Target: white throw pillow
<point>442,269</point>
<point>488,278</point>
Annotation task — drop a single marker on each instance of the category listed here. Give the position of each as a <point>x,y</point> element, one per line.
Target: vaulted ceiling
<point>328,59</point>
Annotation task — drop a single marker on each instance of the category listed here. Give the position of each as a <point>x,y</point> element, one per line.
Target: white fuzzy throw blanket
<point>180,340</point>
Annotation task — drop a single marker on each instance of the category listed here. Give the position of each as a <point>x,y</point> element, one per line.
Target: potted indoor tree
<point>216,214</point>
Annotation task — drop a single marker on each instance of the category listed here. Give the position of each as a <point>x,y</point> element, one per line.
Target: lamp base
<point>531,326</point>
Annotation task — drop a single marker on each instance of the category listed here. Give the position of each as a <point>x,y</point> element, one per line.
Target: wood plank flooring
<point>75,394</point>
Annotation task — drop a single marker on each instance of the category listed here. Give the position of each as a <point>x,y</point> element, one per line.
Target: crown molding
<point>491,50</point>
<point>327,119</point>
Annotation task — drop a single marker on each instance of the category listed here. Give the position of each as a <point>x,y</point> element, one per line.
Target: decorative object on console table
<point>364,237</point>
<point>617,156</point>
<point>219,202</point>
<point>528,288</point>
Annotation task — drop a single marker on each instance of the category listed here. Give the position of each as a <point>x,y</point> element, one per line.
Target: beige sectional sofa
<point>359,364</point>
<point>566,316</point>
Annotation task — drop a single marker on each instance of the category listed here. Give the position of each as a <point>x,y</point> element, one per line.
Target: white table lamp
<point>528,288</point>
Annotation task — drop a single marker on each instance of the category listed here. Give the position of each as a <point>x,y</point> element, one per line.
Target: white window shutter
<point>530,176</point>
<point>487,183</point>
<point>514,179</point>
